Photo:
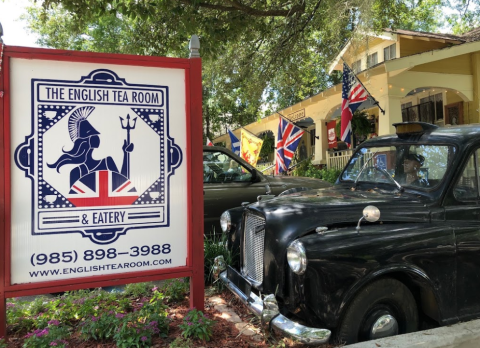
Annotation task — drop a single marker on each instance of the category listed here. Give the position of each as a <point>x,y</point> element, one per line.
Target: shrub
<point>331,175</point>
<point>213,247</point>
<point>181,342</point>
<point>100,327</point>
<point>308,169</point>
<point>137,289</point>
<point>18,317</point>
<point>52,335</point>
<point>176,289</point>
<point>136,331</point>
<point>95,315</point>
<point>197,325</point>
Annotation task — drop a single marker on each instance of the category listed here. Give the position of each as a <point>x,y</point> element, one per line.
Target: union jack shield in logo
<point>288,138</point>
<point>102,188</point>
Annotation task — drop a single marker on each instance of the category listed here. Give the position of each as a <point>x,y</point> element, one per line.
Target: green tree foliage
<point>463,15</point>
<point>254,52</point>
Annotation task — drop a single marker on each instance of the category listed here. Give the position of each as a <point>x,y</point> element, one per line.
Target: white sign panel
<point>98,184</point>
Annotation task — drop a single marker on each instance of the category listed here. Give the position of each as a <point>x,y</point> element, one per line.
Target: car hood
<point>338,208</point>
<point>286,182</point>
<point>299,213</point>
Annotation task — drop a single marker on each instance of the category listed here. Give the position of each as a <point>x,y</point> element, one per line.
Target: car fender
<point>410,274</point>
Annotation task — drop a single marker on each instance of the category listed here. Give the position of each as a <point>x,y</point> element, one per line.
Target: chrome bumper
<point>268,311</point>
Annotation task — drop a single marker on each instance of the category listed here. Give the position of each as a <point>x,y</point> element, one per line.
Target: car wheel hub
<point>384,326</point>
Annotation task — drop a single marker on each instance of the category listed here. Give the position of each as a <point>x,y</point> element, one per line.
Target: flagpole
<point>249,132</point>
<point>375,102</point>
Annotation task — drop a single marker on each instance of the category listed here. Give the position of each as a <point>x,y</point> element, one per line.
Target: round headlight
<point>225,221</point>
<point>297,257</point>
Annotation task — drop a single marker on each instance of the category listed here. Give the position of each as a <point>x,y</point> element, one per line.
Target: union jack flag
<point>288,138</point>
<point>102,188</point>
<point>353,94</point>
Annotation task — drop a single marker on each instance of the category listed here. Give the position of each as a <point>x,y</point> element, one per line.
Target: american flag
<point>353,94</point>
<point>102,188</point>
<point>288,138</point>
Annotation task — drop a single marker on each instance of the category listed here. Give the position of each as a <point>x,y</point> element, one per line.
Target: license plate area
<point>241,283</point>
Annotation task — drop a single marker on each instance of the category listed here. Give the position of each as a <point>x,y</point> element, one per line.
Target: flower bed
<point>139,316</point>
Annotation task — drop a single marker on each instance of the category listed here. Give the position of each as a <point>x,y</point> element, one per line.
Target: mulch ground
<point>225,334</point>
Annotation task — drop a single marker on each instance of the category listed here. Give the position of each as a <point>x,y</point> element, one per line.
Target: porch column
<point>321,144</point>
<point>473,112</point>
<point>393,113</point>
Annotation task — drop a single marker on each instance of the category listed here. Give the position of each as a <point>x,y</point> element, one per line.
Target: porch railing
<point>266,168</point>
<point>338,159</point>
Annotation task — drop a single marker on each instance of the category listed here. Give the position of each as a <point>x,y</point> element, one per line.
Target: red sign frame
<point>193,157</point>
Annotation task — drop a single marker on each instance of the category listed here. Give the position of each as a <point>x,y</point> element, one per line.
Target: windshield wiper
<point>388,175</point>
<point>381,170</point>
<point>361,170</point>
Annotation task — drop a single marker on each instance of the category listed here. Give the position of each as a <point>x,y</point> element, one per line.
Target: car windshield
<point>419,166</point>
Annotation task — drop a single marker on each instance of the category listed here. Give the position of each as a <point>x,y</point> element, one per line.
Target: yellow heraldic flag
<point>250,147</point>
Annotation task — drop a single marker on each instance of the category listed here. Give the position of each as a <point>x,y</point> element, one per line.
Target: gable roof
<point>425,34</point>
<point>472,35</point>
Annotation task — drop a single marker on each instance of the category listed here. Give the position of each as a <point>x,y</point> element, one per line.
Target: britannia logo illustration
<point>100,157</point>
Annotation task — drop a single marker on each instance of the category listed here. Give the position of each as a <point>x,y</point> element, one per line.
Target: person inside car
<point>234,167</point>
<point>411,165</point>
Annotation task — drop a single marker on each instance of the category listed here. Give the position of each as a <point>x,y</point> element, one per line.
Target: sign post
<point>99,188</point>
<point>3,308</point>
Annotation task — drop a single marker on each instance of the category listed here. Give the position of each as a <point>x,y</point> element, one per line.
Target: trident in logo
<point>128,147</point>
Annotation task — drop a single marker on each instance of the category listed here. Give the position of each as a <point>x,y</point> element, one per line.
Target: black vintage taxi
<point>393,244</point>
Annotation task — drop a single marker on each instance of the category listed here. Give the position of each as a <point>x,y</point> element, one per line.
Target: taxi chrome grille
<point>253,246</point>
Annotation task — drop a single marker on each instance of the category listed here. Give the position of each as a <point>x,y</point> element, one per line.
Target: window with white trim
<point>390,52</point>
<point>357,66</point>
<point>372,59</point>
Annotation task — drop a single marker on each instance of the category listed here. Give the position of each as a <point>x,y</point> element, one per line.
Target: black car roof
<point>455,135</point>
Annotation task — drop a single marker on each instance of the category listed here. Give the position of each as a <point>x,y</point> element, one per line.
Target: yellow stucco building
<point>415,76</point>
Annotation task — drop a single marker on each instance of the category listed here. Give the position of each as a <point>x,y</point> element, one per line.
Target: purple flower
<point>189,323</point>
<point>144,338</point>
<point>43,332</point>
<point>119,315</point>
<point>155,289</point>
<point>94,318</point>
<point>54,322</point>
<point>53,343</point>
<point>10,305</point>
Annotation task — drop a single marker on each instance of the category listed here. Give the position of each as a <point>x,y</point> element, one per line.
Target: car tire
<point>377,303</point>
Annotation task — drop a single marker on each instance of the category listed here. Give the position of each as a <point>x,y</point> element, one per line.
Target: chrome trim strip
<point>280,323</point>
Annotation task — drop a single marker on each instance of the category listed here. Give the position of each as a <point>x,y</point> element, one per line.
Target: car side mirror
<point>370,213</point>
<point>254,176</point>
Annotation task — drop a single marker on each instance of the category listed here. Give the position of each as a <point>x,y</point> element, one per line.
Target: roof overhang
<point>431,56</point>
